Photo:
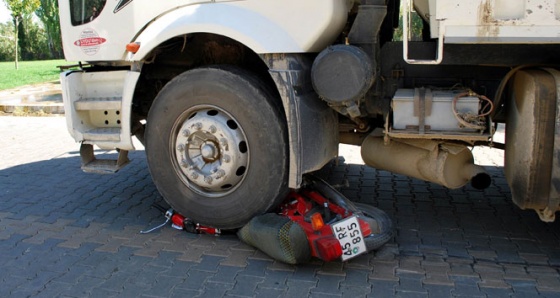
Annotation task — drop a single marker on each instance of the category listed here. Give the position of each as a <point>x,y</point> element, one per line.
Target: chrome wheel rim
<point>210,151</point>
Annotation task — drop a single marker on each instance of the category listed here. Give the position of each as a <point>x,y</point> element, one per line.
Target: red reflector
<point>133,47</point>
<point>328,248</point>
<point>178,221</point>
<point>365,227</point>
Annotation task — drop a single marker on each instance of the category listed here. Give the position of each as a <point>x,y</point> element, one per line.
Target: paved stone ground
<point>64,233</point>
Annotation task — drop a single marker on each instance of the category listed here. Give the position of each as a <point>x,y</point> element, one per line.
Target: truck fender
<point>259,32</point>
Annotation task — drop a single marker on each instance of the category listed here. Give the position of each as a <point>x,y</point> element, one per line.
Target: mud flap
<point>532,157</point>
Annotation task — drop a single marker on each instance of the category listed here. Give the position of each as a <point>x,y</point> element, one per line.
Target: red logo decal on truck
<point>90,41</point>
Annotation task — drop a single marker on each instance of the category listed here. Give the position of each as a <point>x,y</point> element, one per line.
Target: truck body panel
<point>260,25</point>
<point>492,21</point>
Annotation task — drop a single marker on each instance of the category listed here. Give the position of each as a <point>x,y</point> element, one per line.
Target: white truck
<point>235,100</point>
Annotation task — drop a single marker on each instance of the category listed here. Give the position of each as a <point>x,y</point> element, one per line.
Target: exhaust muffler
<point>447,164</point>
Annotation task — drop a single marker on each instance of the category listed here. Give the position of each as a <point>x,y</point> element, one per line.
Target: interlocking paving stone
<point>237,258</point>
<point>274,279</point>
<point>225,274</point>
<point>439,291</point>
<point>195,279</point>
<point>438,279</point>
<point>269,293</point>
<point>256,267</point>
<point>300,288</point>
<point>214,292</point>
<point>53,289</point>
<point>10,283</point>
<point>327,283</point>
<point>305,272</point>
<point>411,282</point>
<point>497,292</point>
<point>355,290</point>
<point>356,277</point>
<point>164,285</point>
<point>74,235</point>
<point>245,285</point>
<point>549,294</point>
<point>383,288</point>
<point>384,270</point>
<point>461,290</point>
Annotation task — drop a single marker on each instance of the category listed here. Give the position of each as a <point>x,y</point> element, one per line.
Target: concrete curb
<point>38,99</point>
<point>57,109</point>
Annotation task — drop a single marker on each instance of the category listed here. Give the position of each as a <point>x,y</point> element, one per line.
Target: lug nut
<point>220,174</point>
<point>226,158</point>
<point>184,163</point>
<point>186,133</point>
<point>213,129</point>
<point>181,147</point>
<point>208,179</point>
<point>198,126</point>
<point>223,143</point>
<point>194,176</point>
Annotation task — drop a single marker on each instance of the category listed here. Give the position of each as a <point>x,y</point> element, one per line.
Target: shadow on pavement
<point>430,219</point>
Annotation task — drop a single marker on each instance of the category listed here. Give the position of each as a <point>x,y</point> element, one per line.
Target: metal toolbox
<point>435,105</point>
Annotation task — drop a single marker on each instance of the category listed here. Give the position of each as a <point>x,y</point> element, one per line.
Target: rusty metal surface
<point>413,134</point>
<point>554,197</point>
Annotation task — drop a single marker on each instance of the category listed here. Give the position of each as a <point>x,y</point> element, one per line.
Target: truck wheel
<point>217,146</point>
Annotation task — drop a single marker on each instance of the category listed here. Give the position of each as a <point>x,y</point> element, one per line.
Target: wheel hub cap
<point>211,151</point>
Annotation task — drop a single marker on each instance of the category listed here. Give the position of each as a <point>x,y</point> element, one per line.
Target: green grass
<point>29,72</point>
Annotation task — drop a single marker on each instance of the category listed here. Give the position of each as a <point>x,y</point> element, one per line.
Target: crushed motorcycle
<point>315,221</point>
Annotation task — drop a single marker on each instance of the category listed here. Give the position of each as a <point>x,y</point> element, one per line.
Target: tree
<point>19,9</point>
<point>6,41</point>
<point>416,27</point>
<point>48,14</point>
<point>33,40</point>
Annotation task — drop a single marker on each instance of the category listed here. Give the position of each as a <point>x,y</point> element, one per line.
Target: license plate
<point>349,235</point>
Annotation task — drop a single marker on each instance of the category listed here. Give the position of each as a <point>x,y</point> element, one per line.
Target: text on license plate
<point>349,235</point>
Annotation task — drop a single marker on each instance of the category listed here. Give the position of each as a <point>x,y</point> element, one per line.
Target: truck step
<point>106,134</point>
<point>90,164</point>
<point>98,103</point>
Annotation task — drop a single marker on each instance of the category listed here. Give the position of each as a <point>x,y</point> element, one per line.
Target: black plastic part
<point>190,226</point>
<point>342,73</point>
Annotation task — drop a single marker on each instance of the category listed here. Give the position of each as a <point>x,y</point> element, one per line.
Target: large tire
<point>217,146</point>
